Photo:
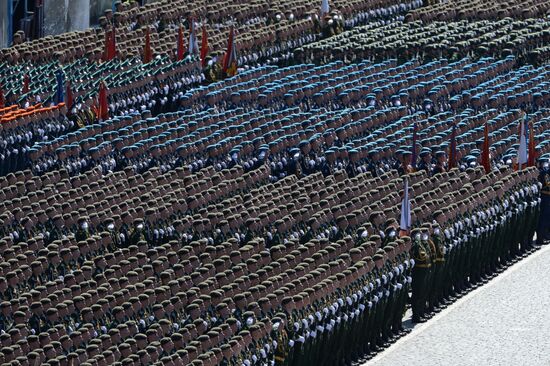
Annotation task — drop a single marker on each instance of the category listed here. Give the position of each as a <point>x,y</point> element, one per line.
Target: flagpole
<point>103,103</point>
<point>230,60</point>
<point>204,45</point>
<point>147,54</point>
<point>180,49</point>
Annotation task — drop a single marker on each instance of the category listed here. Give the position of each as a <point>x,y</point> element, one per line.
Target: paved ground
<point>505,322</point>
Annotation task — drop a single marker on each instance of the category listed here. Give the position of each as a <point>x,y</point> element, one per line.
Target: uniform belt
<point>547,193</point>
<point>423,265</point>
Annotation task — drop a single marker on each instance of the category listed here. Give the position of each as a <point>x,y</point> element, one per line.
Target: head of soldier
<point>441,157</point>
<point>407,158</point>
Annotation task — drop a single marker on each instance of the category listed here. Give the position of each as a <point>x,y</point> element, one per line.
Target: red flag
<point>452,153</point>
<point>2,99</point>
<point>204,46</point>
<point>106,51</point>
<point>69,96</point>
<point>181,46</point>
<point>485,161</point>
<point>147,54</point>
<point>230,59</point>
<point>103,110</point>
<point>532,154</point>
<point>26,82</point>
<point>110,45</point>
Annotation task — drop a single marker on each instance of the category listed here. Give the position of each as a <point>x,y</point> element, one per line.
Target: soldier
<point>437,246</point>
<point>421,255</point>
<point>136,233</point>
<point>425,162</point>
<point>113,234</point>
<point>375,167</point>
<point>530,193</point>
<point>543,227</point>
<point>58,230</point>
<point>405,167</point>
<point>443,243</point>
<point>82,232</point>
<point>440,164</point>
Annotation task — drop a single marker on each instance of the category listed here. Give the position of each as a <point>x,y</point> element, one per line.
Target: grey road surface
<point>505,322</point>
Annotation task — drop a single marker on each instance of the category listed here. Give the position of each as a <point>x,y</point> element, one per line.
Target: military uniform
<point>421,254</point>
<point>438,271</point>
<point>543,225</point>
<point>136,233</point>
<point>404,169</point>
<point>375,168</point>
<point>438,168</point>
<point>281,349</point>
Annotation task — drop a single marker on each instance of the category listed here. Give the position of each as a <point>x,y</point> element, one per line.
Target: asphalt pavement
<point>505,322</point>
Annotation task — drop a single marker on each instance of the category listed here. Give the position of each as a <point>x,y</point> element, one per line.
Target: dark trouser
<point>516,236</point>
<point>419,291</point>
<point>543,226</point>
<point>437,284</point>
<point>452,274</point>
<point>295,354</point>
<point>400,308</point>
<point>377,322</point>
<point>388,316</point>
